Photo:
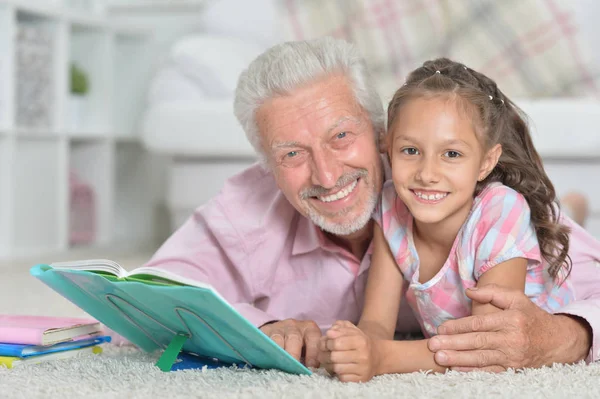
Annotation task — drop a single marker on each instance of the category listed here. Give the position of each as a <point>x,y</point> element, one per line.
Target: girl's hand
<point>348,353</point>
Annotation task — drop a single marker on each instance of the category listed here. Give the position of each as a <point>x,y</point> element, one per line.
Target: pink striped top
<point>497,229</point>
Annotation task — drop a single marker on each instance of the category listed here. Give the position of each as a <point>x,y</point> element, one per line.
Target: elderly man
<point>287,241</point>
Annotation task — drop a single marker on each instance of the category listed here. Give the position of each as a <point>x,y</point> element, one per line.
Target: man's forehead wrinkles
<point>308,117</point>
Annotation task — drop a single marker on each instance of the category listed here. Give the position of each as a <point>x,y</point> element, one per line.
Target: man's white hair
<point>291,65</point>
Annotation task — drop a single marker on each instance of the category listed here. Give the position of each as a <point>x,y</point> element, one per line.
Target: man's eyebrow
<point>341,121</point>
<point>295,144</point>
<point>285,144</point>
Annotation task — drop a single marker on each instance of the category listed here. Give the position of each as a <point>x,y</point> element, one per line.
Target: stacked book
<point>37,339</point>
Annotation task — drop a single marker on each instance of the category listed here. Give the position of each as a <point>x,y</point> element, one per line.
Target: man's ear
<point>490,161</point>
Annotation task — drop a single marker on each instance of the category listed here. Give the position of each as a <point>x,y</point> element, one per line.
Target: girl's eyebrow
<point>449,142</point>
<point>455,142</point>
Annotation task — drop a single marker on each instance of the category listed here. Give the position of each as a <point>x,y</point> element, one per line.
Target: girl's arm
<point>509,274</point>
<point>409,356</point>
<point>378,321</point>
<point>383,292</point>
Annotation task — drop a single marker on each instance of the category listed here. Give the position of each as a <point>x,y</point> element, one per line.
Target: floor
<point>20,293</point>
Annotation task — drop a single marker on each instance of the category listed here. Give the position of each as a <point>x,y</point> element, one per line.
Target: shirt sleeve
<point>588,310</point>
<point>503,231</point>
<point>207,248</point>
<point>585,277</point>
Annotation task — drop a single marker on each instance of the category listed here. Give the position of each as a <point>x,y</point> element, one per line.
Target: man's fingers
<point>324,358</point>
<point>501,297</point>
<point>278,339</point>
<point>477,359</point>
<point>294,336</point>
<point>489,369</point>
<point>293,344</point>
<point>485,322</point>
<point>311,344</point>
<point>467,341</point>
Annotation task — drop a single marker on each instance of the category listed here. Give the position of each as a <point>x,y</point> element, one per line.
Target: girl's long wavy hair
<point>498,121</point>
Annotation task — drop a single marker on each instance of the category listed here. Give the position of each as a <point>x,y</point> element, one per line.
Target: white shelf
<point>157,5</point>
<point>38,160</point>
<point>35,133</point>
<point>36,204</point>
<point>6,152</point>
<point>7,29</point>
<point>92,161</point>
<point>96,115</point>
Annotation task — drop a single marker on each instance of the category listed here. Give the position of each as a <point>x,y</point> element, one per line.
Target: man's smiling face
<point>321,146</point>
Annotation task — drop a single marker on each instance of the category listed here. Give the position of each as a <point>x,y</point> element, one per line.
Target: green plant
<point>79,81</point>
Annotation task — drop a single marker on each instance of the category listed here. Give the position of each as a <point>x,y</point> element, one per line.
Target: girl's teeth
<point>431,197</point>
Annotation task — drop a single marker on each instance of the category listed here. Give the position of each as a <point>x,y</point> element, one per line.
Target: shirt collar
<point>308,237</point>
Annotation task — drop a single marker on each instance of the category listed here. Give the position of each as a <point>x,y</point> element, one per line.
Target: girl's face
<point>437,160</point>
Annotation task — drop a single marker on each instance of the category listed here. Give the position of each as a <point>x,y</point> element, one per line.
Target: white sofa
<point>566,133</point>
<point>190,118</point>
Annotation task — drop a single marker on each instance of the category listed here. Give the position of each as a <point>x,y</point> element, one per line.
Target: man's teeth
<point>431,197</point>
<point>340,194</point>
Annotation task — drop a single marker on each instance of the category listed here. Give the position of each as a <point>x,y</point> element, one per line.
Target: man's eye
<point>452,154</point>
<point>410,151</point>
<point>291,154</point>
<point>341,135</point>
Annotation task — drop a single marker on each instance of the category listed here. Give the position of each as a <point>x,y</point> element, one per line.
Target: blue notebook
<point>186,361</point>
<point>150,307</point>
<point>19,350</point>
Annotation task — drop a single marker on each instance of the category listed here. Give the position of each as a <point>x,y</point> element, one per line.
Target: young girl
<point>469,204</point>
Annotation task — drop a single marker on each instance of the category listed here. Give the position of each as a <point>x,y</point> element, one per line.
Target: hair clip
<point>502,101</point>
<point>464,67</point>
<point>437,72</point>
<point>491,98</point>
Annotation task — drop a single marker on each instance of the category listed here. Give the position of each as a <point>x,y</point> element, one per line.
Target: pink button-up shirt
<point>271,263</point>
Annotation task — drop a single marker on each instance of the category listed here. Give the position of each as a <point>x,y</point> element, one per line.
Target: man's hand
<point>521,335</point>
<point>347,352</point>
<point>295,335</point>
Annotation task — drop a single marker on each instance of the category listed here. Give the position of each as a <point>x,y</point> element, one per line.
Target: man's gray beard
<point>344,229</point>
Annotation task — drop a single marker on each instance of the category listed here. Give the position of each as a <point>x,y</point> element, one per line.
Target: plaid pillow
<point>531,48</point>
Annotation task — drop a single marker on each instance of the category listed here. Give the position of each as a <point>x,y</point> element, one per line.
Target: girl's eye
<point>452,154</point>
<point>341,135</point>
<point>410,151</point>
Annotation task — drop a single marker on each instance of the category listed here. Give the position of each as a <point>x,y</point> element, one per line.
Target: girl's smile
<point>429,196</point>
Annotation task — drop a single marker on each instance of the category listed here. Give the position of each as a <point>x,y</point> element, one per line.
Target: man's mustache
<point>344,180</point>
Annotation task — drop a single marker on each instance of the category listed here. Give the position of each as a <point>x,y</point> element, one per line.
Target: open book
<point>156,309</point>
<point>114,271</point>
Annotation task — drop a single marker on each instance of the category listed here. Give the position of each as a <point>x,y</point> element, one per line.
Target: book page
<point>92,265</point>
<point>162,274</point>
